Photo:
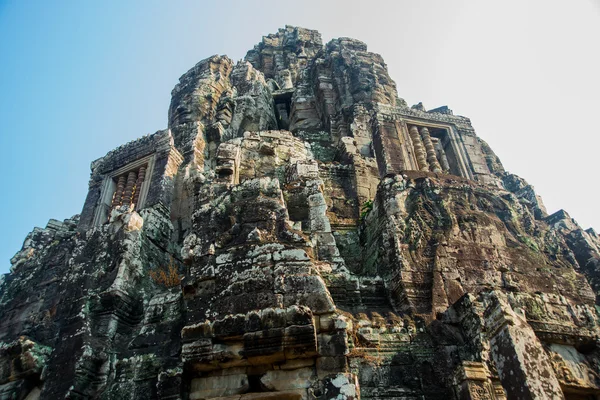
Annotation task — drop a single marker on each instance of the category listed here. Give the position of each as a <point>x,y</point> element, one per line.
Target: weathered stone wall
<point>299,232</point>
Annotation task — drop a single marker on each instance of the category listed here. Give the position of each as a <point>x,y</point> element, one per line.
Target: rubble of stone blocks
<point>299,232</point>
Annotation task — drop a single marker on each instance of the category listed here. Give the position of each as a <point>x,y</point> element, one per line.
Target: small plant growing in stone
<point>166,276</point>
<point>365,209</point>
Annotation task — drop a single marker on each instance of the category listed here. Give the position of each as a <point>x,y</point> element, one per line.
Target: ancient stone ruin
<point>299,232</point>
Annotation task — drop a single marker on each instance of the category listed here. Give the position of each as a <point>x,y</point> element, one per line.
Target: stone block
<point>327,364</point>
<point>264,346</point>
<point>334,344</point>
<point>280,380</point>
<point>300,341</point>
<point>232,326</point>
<point>216,386</point>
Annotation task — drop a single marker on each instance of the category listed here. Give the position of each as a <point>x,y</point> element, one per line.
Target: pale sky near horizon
<point>78,79</point>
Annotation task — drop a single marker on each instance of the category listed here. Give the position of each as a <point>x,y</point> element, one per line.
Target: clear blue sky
<point>79,78</point>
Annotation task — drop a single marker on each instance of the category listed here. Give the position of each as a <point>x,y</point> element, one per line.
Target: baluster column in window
<point>138,185</point>
<point>129,188</point>
<point>116,201</point>
<point>434,165</point>
<point>419,150</point>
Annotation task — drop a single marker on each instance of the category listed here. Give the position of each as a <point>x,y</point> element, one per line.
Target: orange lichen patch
<point>166,276</point>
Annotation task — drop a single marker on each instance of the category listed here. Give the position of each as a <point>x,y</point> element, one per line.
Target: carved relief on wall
<point>478,391</point>
<point>573,370</point>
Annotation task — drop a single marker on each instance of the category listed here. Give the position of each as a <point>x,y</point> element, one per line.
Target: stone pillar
<point>388,146</point>
<point>138,185</point>
<point>116,200</point>
<point>523,365</point>
<point>408,148</point>
<point>434,165</point>
<point>441,154</point>
<point>472,382</point>
<point>131,178</point>
<point>419,149</point>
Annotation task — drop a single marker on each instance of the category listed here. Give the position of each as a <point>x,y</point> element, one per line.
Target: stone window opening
<point>427,150</point>
<point>282,101</point>
<point>434,149</point>
<point>445,151</point>
<point>127,186</point>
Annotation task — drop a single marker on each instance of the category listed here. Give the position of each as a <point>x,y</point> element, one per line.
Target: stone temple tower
<point>299,232</point>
